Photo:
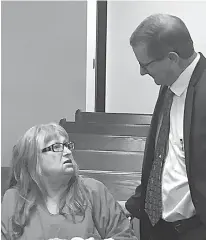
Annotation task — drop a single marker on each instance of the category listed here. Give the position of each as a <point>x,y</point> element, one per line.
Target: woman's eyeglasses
<point>59,147</point>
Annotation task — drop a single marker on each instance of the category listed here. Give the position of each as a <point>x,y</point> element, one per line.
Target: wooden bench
<point>105,129</point>
<point>111,153</point>
<point>109,160</point>
<point>107,142</point>
<point>112,118</point>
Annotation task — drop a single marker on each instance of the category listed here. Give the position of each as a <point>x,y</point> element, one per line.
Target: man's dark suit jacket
<point>194,131</point>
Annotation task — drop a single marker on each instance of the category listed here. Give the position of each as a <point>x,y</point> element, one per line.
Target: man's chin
<point>159,81</point>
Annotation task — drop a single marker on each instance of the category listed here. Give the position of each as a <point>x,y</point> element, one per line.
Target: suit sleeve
<point>133,203</point>
<point>197,149</point>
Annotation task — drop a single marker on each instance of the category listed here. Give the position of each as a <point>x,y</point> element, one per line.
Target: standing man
<point>171,200</point>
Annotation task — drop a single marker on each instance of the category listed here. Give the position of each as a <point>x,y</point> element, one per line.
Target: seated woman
<point>48,199</point>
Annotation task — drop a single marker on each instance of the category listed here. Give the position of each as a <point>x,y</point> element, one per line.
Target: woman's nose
<point>67,150</point>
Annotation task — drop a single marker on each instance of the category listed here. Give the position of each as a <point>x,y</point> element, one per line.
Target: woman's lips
<point>68,161</point>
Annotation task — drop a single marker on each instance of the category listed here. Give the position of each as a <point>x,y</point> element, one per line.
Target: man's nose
<point>143,71</point>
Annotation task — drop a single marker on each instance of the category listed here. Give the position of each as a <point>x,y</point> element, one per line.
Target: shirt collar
<point>180,85</point>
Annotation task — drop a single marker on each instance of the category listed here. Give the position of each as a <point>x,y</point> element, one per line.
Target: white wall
<point>126,89</point>
<point>91,54</point>
<point>43,65</point>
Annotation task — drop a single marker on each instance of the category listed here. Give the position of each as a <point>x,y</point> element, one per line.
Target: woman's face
<point>56,163</point>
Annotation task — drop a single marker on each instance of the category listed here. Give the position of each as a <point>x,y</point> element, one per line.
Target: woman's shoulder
<point>10,196</point>
<point>9,202</point>
<point>93,184</point>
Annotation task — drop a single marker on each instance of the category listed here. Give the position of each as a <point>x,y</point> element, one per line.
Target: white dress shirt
<point>176,198</point>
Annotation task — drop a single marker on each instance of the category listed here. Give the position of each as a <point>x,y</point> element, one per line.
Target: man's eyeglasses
<point>144,66</point>
<point>59,147</point>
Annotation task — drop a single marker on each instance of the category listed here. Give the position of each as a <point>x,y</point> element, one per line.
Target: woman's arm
<point>108,216</point>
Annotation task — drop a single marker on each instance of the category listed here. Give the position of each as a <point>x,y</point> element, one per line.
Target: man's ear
<point>173,56</point>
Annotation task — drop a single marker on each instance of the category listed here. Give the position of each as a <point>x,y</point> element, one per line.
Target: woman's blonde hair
<point>26,178</point>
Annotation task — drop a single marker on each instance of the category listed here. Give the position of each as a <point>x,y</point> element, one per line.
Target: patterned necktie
<point>153,200</point>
